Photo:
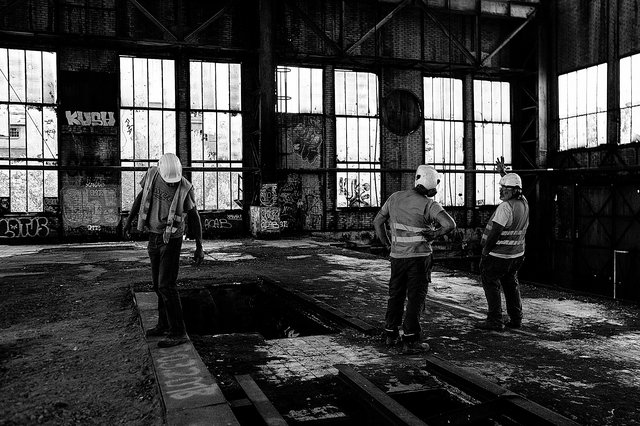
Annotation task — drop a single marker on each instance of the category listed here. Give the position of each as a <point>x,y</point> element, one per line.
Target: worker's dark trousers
<point>165,263</point>
<point>496,273</point>
<point>410,280</point>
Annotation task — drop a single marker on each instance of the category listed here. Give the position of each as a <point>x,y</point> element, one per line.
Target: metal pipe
<point>615,269</point>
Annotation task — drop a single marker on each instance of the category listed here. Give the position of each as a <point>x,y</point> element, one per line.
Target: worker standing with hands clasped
<point>412,215</point>
<point>161,206</point>
<point>503,247</point>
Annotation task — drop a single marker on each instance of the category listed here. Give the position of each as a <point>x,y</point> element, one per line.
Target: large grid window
<point>299,90</point>
<point>582,107</point>
<point>357,139</point>
<point>492,117</point>
<point>300,120</point>
<point>216,134</point>
<point>444,135</point>
<point>630,99</point>
<point>147,117</point>
<point>28,128</point>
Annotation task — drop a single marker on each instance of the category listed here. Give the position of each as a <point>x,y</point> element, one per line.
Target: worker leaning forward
<point>503,248</point>
<point>415,220</point>
<point>165,200</point>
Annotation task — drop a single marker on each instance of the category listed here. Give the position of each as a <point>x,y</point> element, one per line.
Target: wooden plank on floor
<point>386,406</point>
<point>259,400</point>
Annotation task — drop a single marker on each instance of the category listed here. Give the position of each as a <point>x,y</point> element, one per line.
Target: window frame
<point>488,118</point>
<point>167,112</point>
<point>352,108</point>
<point>450,120</point>
<point>210,106</point>
<point>38,103</point>
<point>577,109</point>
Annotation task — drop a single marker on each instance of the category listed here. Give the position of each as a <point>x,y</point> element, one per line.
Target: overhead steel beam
<point>208,22</point>
<point>508,39</point>
<point>153,19</point>
<point>314,27</point>
<point>378,26</point>
<point>458,45</point>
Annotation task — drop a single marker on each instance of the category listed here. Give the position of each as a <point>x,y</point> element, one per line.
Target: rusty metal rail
<point>495,400</point>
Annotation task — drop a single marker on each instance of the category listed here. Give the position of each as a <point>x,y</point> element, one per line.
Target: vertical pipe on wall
<point>613,74</point>
<point>266,66</point>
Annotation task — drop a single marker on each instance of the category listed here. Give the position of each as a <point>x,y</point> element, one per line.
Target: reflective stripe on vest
<point>512,239</point>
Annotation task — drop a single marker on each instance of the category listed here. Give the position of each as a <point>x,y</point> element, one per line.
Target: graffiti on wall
<point>290,202</point>
<point>93,118</point>
<point>353,193</point>
<point>265,221</point>
<point>301,138</point>
<point>28,227</point>
<point>91,207</point>
<point>269,195</point>
<point>221,223</point>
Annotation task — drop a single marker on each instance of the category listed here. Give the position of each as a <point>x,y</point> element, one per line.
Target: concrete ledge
<point>190,394</point>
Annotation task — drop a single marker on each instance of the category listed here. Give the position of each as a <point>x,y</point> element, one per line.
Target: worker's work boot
<point>490,325</point>
<point>157,331</point>
<point>415,347</point>
<point>171,341</point>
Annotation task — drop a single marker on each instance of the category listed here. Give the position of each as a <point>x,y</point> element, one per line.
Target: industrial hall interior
<point>319,212</point>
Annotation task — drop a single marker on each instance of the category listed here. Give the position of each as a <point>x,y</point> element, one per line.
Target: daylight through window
<point>630,99</point>
<point>492,117</point>
<point>582,107</point>
<point>357,139</point>
<point>147,118</point>
<point>216,134</point>
<point>28,128</point>
<point>444,135</point>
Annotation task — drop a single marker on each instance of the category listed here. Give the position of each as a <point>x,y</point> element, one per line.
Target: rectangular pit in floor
<point>250,308</point>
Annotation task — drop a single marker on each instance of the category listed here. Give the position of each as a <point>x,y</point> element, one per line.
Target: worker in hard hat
<point>503,247</point>
<point>166,199</point>
<point>415,220</point>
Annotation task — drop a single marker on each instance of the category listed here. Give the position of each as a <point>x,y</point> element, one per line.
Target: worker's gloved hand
<point>198,256</point>
<point>126,230</point>
<point>429,234</point>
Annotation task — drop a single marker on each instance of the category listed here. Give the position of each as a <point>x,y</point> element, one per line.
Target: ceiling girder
<point>508,39</point>
<point>153,19</point>
<point>209,21</point>
<point>456,42</point>
<point>378,25</point>
<point>292,4</point>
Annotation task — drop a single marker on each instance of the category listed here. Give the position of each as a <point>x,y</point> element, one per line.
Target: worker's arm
<point>194,222</point>
<point>135,208</point>
<point>381,231</point>
<point>492,238</point>
<point>447,224</point>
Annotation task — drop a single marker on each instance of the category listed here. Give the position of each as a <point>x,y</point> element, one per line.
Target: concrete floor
<point>576,355</point>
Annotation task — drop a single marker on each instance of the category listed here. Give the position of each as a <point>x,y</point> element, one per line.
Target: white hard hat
<point>511,180</point>
<point>426,176</point>
<point>170,168</point>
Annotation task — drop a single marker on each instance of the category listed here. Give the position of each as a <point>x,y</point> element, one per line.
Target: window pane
<point>216,133</point>
<point>34,76</point>
<point>582,94</point>
<point>149,130</point>
<point>4,76</point>
<point>17,76</point>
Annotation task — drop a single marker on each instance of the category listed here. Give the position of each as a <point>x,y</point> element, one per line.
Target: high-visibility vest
<point>408,217</point>
<point>511,244</point>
